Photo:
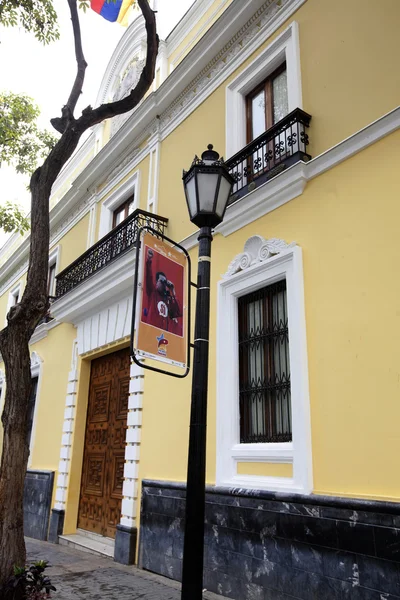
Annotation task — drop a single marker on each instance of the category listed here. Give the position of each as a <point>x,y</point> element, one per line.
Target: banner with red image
<point>161,317</point>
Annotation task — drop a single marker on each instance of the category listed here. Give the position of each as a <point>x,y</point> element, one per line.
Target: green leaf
<point>12,219</point>
<point>36,16</point>
<point>22,143</point>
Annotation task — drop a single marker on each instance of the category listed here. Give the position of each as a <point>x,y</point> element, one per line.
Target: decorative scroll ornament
<point>256,250</point>
<point>121,165</point>
<point>128,81</point>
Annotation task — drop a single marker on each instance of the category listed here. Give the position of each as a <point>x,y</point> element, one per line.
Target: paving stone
<point>78,575</point>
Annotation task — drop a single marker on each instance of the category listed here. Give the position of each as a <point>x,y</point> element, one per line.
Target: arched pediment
<point>124,69</point>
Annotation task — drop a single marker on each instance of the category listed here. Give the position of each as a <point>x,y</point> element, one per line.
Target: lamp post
<point>208,186</point>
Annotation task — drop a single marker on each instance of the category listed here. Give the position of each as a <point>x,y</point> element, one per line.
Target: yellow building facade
<point>301,98</point>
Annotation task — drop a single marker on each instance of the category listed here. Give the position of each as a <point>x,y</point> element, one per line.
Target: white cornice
<point>42,331</point>
<point>191,17</point>
<point>195,13</point>
<point>97,291</point>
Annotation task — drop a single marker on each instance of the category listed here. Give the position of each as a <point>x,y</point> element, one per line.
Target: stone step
<point>96,536</point>
<point>101,546</point>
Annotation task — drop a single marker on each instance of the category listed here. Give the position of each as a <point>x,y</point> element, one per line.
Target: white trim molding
<point>285,48</point>
<point>131,187</point>
<point>262,263</point>
<point>154,173</point>
<point>132,448</point>
<point>36,371</point>
<point>108,285</point>
<point>67,432</point>
<point>54,259</point>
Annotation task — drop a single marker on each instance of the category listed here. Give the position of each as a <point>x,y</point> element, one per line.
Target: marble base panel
<point>38,492</point>
<point>266,546</point>
<point>125,545</point>
<point>56,525</point>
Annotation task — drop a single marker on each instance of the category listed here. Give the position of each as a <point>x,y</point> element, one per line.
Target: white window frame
<point>285,48</point>
<point>12,294</point>
<point>119,196</point>
<point>54,259</point>
<point>286,265</point>
<point>36,371</point>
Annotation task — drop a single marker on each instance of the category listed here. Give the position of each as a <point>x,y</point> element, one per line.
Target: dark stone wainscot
<point>38,491</point>
<point>268,546</point>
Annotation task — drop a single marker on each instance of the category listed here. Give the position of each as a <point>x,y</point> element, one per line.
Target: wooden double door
<point>104,451</point>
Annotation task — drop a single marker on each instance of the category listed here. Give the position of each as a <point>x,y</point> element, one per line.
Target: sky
<point>46,73</point>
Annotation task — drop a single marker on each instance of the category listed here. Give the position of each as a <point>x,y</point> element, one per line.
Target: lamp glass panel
<point>190,188</point>
<point>207,184</point>
<point>223,196</point>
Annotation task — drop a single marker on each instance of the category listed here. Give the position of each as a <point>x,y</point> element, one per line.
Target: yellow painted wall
<point>263,469</point>
<point>348,57</point>
<point>55,351</point>
<point>52,391</point>
<point>346,222</point>
<point>73,244</point>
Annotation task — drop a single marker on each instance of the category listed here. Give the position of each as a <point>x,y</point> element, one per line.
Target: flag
<point>112,11</point>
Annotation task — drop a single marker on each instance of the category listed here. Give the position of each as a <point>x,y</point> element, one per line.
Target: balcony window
<point>267,103</point>
<point>51,280</point>
<point>123,211</point>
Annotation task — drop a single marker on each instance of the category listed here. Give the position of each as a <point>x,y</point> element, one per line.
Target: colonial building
<point>303,451</point>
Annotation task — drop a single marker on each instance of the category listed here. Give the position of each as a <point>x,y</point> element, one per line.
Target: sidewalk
<point>82,576</point>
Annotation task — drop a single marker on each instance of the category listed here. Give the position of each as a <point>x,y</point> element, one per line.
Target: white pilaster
<point>67,434</point>
<point>132,450</point>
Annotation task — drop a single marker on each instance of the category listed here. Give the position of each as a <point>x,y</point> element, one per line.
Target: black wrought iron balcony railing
<point>121,239</point>
<point>279,147</point>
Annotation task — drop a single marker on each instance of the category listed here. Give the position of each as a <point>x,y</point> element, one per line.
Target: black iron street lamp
<point>208,186</point>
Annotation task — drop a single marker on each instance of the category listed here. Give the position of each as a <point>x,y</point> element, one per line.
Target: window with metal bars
<point>264,368</point>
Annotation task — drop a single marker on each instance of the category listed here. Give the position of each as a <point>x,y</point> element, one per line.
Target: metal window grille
<point>264,368</point>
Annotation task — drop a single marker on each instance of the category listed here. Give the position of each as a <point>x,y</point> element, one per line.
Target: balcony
<point>113,245</point>
<point>279,147</point>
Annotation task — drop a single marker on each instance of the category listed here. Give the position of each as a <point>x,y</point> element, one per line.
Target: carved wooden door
<point>104,451</point>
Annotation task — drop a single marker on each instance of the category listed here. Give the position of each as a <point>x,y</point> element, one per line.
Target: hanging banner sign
<point>161,319</point>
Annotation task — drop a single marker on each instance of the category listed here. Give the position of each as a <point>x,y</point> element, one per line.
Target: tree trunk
<point>14,346</point>
<point>15,454</point>
<point>24,317</point>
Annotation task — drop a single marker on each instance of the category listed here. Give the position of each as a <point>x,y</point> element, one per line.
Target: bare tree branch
<point>92,116</point>
<point>67,112</point>
<point>80,59</point>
